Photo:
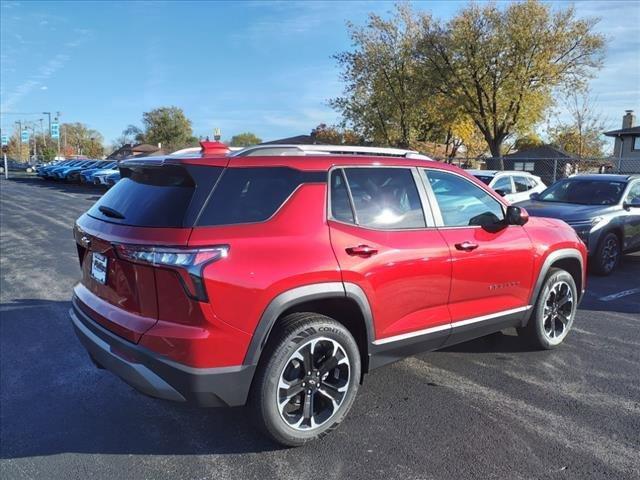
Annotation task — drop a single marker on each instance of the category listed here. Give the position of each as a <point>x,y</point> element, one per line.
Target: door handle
<point>466,246</point>
<point>361,251</point>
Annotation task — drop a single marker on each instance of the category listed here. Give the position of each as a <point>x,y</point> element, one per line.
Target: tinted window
<point>245,195</point>
<point>634,193</point>
<point>532,182</point>
<point>461,202</point>
<point>521,184</point>
<point>340,203</point>
<point>503,184</point>
<point>486,179</point>
<point>155,196</point>
<point>385,197</point>
<point>584,192</point>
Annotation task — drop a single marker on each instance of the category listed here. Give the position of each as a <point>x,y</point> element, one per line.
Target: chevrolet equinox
<point>279,281</point>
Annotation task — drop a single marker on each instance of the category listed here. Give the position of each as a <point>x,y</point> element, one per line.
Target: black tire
<point>607,255</point>
<point>293,339</point>
<point>543,330</point>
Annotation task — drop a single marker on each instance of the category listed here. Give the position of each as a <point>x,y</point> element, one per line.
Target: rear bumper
<point>159,377</point>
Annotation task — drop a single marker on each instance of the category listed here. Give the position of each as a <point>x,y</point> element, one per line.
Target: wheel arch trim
<point>295,296</point>
<point>553,257</point>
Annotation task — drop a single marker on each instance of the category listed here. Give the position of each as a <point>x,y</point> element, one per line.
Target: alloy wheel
<point>313,384</point>
<point>610,253</point>
<point>558,311</point>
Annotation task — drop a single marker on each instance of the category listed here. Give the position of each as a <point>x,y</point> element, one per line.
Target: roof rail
<point>279,150</point>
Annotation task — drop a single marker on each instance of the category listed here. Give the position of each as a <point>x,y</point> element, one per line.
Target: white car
<point>514,185</point>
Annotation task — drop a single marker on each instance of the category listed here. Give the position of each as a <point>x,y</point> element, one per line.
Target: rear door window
<point>521,183</point>
<point>385,198</point>
<point>248,195</point>
<point>340,203</point>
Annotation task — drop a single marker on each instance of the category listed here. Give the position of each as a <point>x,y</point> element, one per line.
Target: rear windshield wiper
<point>110,212</point>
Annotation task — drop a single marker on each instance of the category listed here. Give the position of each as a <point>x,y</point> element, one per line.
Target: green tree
<point>527,141</point>
<point>326,135</point>
<point>581,134</point>
<point>82,139</point>
<point>169,127</point>
<point>331,135</point>
<point>130,135</point>
<point>383,98</point>
<point>16,149</point>
<point>245,139</point>
<point>500,66</point>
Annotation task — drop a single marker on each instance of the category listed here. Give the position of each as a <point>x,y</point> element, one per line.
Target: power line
<point>20,113</point>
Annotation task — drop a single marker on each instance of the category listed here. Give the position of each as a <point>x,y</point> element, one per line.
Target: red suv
<point>280,281</point>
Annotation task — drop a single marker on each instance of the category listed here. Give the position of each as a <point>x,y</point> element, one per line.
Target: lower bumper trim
<point>158,376</point>
<point>135,374</point>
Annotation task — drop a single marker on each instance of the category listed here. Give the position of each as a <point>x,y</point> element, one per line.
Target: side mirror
<point>502,193</point>
<point>516,215</point>
<point>635,203</point>
<point>534,196</point>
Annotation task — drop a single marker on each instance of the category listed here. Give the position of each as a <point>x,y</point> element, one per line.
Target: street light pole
<point>4,157</point>
<point>58,122</point>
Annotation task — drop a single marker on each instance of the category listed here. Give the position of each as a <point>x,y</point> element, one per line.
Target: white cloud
<point>36,81</point>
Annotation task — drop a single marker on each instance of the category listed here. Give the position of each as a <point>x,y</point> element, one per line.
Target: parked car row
<point>93,172</point>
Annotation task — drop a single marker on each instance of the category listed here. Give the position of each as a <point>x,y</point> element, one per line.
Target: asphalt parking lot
<point>490,408</point>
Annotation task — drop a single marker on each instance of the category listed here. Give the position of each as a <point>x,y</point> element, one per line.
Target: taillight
<point>187,262</point>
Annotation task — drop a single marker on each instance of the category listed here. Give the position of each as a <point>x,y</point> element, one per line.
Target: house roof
<point>144,148</point>
<point>535,153</point>
<point>141,149</point>
<point>623,131</point>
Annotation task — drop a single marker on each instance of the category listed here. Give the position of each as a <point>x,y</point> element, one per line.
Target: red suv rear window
<point>157,196</point>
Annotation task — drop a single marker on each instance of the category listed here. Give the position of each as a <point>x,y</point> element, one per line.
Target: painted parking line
<point>615,296</point>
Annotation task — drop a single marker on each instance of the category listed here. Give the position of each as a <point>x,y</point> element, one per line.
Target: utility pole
<point>44,137</point>
<point>5,142</point>
<point>35,145</point>
<point>48,114</point>
<point>58,122</point>
<point>19,122</point>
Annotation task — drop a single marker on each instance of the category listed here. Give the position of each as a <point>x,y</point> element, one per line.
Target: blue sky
<point>264,67</point>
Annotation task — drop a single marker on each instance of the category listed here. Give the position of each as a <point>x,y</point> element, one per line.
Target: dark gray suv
<point>604,210</point>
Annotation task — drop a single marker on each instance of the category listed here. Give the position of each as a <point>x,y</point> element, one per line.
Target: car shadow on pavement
<point>506,341</point>
<point>54,400</point>
<point>60,185</point>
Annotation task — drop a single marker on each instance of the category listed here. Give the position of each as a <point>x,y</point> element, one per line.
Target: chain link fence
<point>552,169</point>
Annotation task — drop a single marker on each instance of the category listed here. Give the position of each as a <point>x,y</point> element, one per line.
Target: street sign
<point>55,130</point>
<point>24,136</point>
<point>5,140</point>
